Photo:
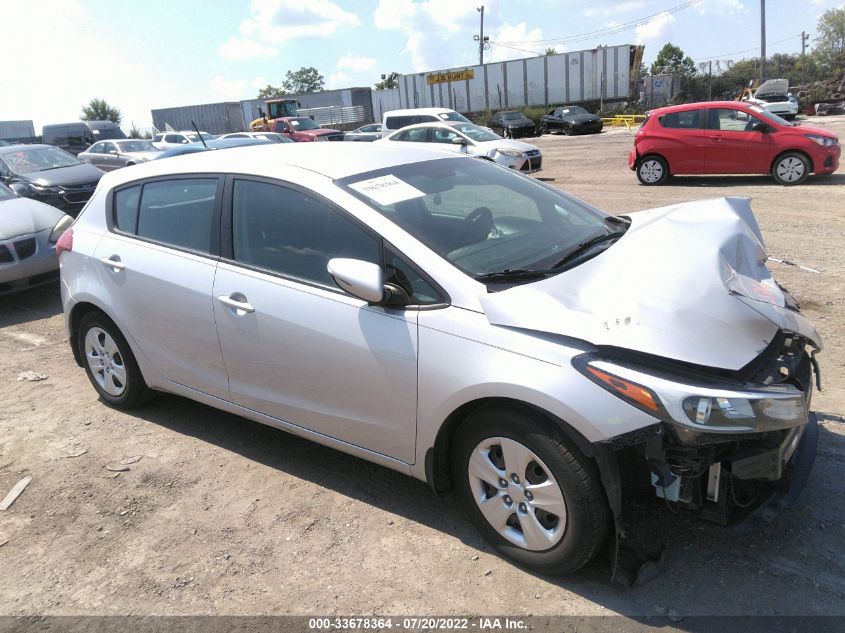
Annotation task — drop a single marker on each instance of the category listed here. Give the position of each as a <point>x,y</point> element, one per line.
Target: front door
<point>297,348</point>
<point>733,146</point>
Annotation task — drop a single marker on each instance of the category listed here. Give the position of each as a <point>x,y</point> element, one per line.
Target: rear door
<point>157,266</point>
<point>683,140</point>
<point>733,146</point>
<point>296,347</point>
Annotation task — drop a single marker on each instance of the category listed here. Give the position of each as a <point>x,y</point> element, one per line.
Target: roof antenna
<point>196,129</point>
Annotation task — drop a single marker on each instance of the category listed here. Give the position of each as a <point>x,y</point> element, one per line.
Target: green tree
<point>672,61</point>
<point>830,44</point>
<point>268,92</point>
<point>134,132</point>
<point>99,110</point>
<point>303,81</point>
<point>551,50</point>
<point>390,80</point>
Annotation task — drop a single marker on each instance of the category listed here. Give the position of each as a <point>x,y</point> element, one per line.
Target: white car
<point>472,139</point>
<point>169,140</point>
<point>774,96</point>
<point>393,120</point>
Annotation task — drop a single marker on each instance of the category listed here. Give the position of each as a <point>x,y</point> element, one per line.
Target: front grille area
<point>532,163</point>
<point>533,152</point>
<point>5,255</point>
<point>78,198</point>
<point>25,248</point>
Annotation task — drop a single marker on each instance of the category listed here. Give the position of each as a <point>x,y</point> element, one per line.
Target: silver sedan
<point>458,322</point>
<point>28,233</point>
<point>117,153</point>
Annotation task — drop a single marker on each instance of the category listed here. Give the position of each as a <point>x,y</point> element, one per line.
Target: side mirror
<point>763,128</point>
<point>361,279</point>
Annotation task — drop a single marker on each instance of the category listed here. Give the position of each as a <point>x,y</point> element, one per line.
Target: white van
<point>395,119</point>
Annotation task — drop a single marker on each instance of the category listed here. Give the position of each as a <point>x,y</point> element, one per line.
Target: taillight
<point>65,242</point>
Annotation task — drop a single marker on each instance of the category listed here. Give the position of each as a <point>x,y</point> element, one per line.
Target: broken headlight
<point>725,411</point>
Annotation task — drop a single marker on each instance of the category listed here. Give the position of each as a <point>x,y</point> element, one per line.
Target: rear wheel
<point>534,497</point>
<point>791,168</point>
<point>110,364</point>
<point>652,170</point>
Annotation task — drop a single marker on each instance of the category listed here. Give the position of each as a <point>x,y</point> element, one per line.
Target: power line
<point>747,50</point>
<point>618,28</point>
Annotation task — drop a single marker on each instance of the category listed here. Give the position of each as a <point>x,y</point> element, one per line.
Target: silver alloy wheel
<point>790,169</point>
<point>651,170</point>
<point>105,361</point>
<point>517,493</point>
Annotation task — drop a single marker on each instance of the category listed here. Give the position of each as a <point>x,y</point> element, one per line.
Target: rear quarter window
<point>685,120</point>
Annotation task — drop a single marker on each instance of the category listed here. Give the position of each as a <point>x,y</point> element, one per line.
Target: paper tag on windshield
<point>387,189</point>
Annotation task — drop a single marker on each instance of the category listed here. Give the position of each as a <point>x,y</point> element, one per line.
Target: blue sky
<point>163,53</point>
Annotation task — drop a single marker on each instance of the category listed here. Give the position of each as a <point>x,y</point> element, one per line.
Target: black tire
<point>652,170</point>
<point>791,168</point>
<point>135,390</point>
<point>507,133</point>
<point>544,129</point>
<point>567,129</point>
<point>587,512</point>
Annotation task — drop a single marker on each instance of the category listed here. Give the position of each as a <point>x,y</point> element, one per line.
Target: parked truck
<point>274,109</point>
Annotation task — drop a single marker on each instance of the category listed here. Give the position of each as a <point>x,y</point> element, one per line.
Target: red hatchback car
<point>728,137</point>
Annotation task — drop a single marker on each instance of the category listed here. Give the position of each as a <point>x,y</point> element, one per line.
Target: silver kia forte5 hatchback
<point>461,323</point>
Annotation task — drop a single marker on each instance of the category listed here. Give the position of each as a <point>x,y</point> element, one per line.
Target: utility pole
<point>480,37</point>
<point>762,41</point>
<point>710,82</point>
<point>805,37</point>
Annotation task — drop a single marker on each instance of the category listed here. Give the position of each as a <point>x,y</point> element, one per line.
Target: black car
<point>571,120</point>
<point>48,174</point>
<point>512,124</point>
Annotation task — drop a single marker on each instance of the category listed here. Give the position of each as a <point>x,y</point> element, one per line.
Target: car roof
<point>272,160</point>
<point>696,105</point>
<point>412,111</point>
<point>10,149</point>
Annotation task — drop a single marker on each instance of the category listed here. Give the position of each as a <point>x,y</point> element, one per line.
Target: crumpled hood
<point>22,216</point>
<point>686,282</point>
<point>772,87</point>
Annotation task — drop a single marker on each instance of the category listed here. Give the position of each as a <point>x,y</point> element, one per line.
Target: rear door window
<point>178,212</point>
<point>686,120</point>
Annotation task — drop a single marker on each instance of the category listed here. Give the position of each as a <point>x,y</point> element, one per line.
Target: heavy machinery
<point>275,109</point>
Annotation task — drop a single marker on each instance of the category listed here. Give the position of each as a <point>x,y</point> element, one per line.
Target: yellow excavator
<point>274,109</point>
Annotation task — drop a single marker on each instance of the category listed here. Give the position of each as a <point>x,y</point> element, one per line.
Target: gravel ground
<point>218,515</point>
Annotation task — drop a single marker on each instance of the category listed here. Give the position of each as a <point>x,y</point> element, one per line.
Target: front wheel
<point>791,168</point>
<point>652,170</point>
<point>110,364</point>
<point>532,495</point>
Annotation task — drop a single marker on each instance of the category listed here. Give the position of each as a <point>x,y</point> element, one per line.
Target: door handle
<point>240,308</point>
<point>114,263</point>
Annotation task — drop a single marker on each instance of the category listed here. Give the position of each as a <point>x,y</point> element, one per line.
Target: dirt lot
<point>221,515</point>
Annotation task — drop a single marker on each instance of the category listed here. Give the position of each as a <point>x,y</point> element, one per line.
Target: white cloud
<point>655,29</point>
<point>237,49</point>
<point>519,33</point>
<point>226,88</point>
<point>338,80</point>
<point>274,22</point>
<point>439,32</point>
<point>356,63</point>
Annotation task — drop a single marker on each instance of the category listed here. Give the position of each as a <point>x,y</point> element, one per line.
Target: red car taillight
<point>65,242</point>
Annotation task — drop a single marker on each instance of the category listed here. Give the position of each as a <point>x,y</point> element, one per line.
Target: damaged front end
<point>730,445</point>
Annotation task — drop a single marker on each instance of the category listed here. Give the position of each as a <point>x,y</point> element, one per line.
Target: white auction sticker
<point>387,189</point>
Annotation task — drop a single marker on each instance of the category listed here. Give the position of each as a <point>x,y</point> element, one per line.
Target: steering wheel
<point>479,223</point>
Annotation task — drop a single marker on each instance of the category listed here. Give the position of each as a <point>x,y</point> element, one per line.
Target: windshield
<point>771,116</point>
<point>137,146</point>
<point>108,133</point>
<point>194,138</point>
<point>27,161</point>
<point>453,116</point>
<point>303,123</point>
<point>478,134</point>
<point>5,192</point>
<point>574,110</point>
<point>481,218</point>
<point>272,136</point>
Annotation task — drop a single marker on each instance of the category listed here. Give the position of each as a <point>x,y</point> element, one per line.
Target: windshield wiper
<point>516,274</point>
<point>583,247</point>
